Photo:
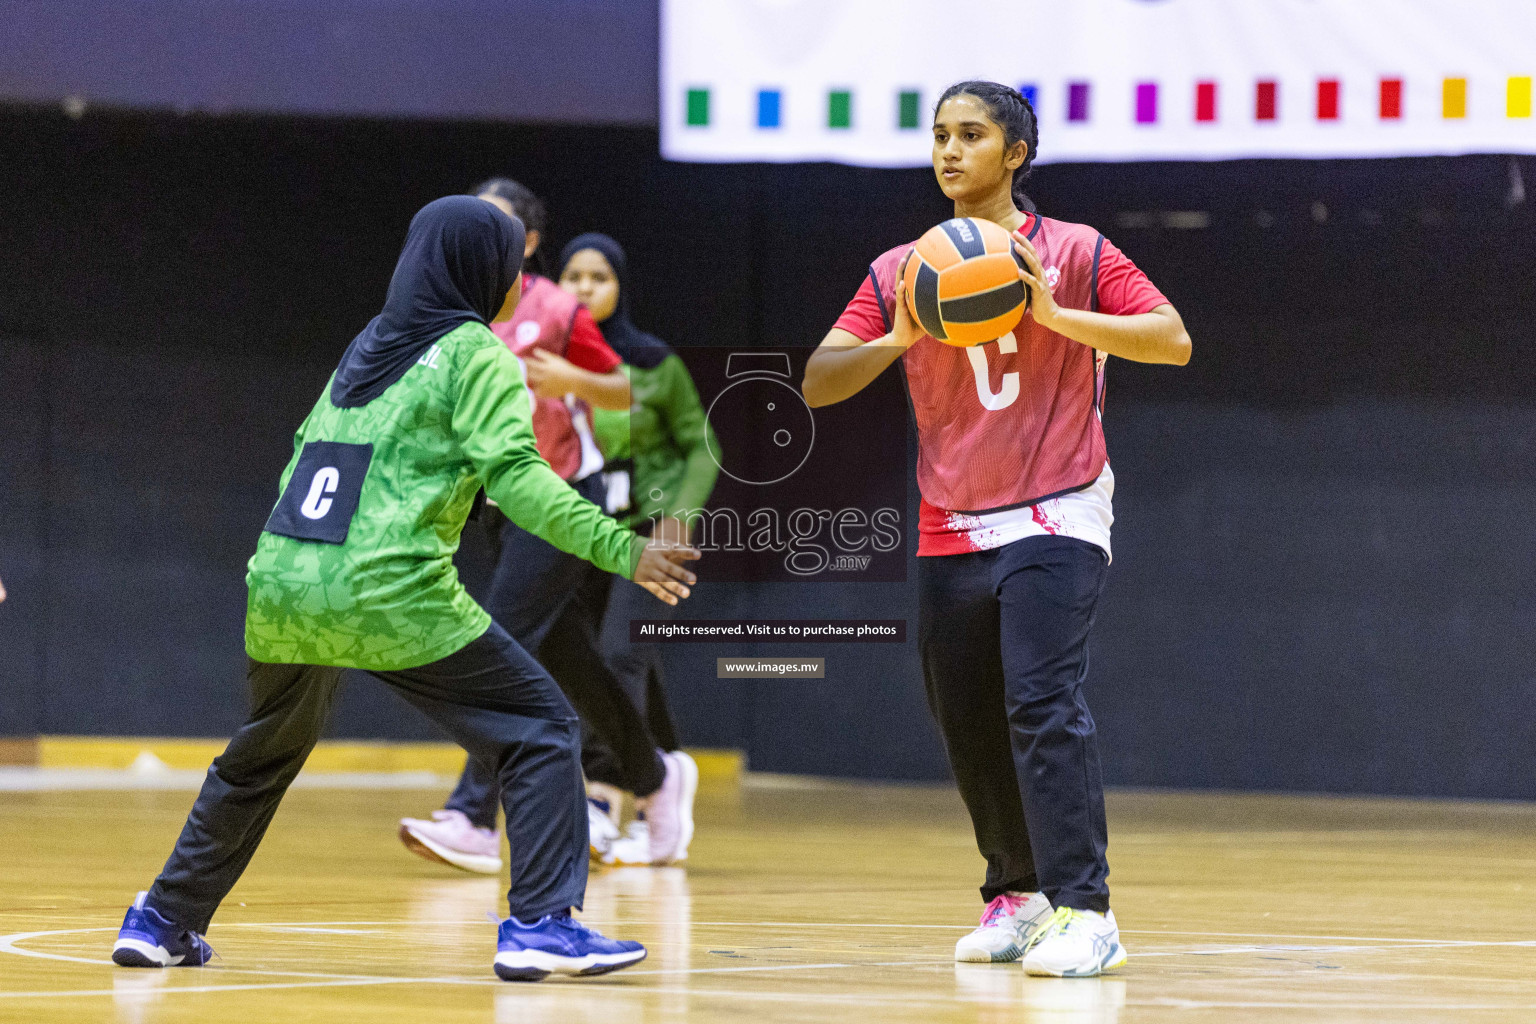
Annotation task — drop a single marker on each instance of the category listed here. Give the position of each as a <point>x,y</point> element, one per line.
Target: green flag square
<point>906,109</point>
<point>698,107</point>
<point>839,109</point>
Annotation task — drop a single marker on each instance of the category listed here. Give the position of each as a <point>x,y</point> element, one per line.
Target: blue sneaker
<point>558,944</point>
<point>149,940</point>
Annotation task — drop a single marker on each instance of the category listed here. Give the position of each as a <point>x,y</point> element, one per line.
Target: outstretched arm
<point>493,421</point>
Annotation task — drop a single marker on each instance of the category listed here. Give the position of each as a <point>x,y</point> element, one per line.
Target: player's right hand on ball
<point>660,570</point>
<point>904,329</point>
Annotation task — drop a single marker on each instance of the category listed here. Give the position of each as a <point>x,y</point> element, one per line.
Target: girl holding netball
<point>354,569</point>
<point>1014,530</point>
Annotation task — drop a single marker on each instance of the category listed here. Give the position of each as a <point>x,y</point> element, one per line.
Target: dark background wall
<point>1323,554</point>
<point>585,61</point>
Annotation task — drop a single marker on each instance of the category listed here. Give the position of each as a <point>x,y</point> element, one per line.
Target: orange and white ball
<point>962,282</point>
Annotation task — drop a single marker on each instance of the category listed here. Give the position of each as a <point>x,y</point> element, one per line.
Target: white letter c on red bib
<point>990,400</point>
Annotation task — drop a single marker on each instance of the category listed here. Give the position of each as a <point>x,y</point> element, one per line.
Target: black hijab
<point>461,256</point>
<point>634,346</point>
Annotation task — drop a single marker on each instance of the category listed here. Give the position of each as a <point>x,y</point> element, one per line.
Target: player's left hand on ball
<point>661,570</point>
<point>1042,303</point>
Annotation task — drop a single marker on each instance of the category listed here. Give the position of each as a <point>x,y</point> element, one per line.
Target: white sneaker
<point>1007,925</point>
<point>601,831</point>
<point>1076,944</point>
<point>634,849</point>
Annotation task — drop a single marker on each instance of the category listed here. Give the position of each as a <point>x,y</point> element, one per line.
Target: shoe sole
<point>426,849</point>
<point>982,956</point>
<point>1115,958</point>
<point>685,818</point>
<point>1007,956</point>
<point>619,863</point>
<point>536,965</point>
<point>138,953</point>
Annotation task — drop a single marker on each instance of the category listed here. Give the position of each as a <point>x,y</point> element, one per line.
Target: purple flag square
<point>1146,103</point>
<point>1077,101</point>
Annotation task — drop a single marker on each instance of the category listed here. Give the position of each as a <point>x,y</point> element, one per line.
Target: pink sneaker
<point>669,810</point>
<point>449,838</point>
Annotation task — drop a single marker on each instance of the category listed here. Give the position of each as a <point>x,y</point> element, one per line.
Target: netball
<point>963,282</point>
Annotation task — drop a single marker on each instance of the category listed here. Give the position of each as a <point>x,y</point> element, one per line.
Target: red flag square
<point>1205,101</point>
<point>1391,99</point>
<point>1328,99</point>
<point>1264,101</point>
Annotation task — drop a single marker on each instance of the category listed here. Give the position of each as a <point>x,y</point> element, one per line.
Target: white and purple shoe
<point>450,838</point>
<point>148,939</point>
<point>558,944</point>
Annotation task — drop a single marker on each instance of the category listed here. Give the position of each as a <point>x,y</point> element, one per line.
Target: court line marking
<point>459,922</point>
<point>256,986</point>
<point>823,998</point>
<point>966,928</point>
<point>1447,944</point>
<point>8,944</point>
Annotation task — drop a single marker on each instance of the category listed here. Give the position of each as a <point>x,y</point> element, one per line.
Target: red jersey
<point>553,320</point>
<point>1014,423</point>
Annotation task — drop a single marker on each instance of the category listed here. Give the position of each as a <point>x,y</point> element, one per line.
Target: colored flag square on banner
<point>1077,101</point>
<point>768,105</point>
<point>698,107</point>
<point>1328,99</point>
<point>1518,96</point>
<point>839,109</point>
<point>1264,101</point>
<point>1453,98</point>
<point>1391,99</point>
<point>1205,101</point>
<point>779,80</point>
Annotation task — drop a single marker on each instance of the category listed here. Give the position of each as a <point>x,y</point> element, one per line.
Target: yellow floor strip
<point>122,752</point>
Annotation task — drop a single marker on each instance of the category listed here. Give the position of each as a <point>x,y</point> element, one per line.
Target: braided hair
<point>1011,112</point>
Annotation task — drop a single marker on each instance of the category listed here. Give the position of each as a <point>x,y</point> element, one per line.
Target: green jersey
<point>387,597</point>
<point>664,432</point>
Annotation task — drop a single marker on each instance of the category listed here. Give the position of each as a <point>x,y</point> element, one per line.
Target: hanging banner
<point>854,81</point>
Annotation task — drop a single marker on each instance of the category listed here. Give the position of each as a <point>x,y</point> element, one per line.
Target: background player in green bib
<point>354,570</point>
<point>658,456</point>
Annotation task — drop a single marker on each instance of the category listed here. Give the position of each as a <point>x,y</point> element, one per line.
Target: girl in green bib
<point>354,570</point>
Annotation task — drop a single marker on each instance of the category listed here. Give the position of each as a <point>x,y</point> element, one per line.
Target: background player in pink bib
<point>1014,526</point>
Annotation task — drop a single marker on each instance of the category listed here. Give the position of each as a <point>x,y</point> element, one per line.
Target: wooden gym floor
<point>802,902</point>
